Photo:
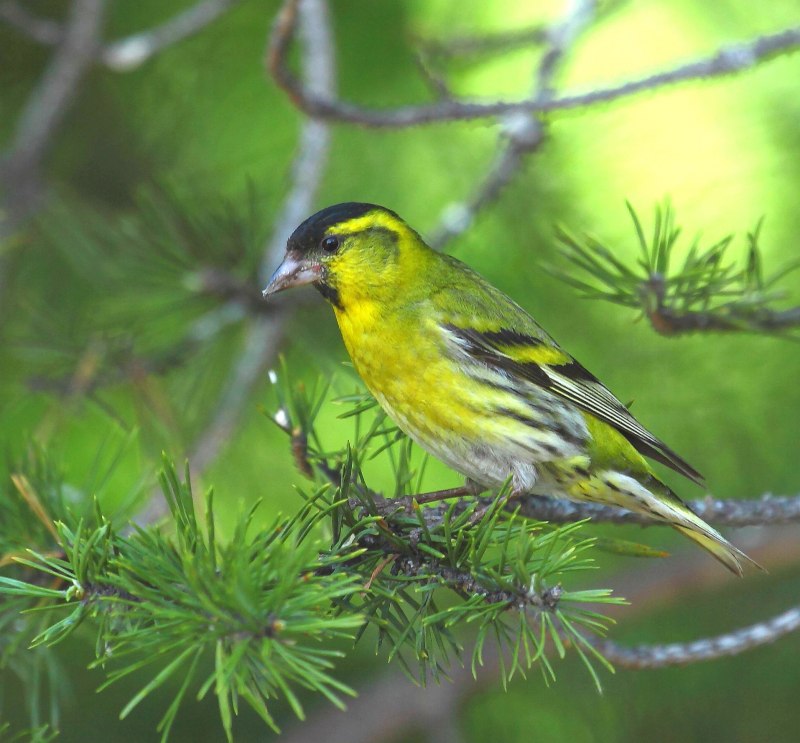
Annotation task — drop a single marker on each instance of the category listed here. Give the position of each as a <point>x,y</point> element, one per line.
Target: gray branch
<point>129,52</point>
<point>46,107</point>
<point>132,51</point>
<point>728,318</point>
<point>711,648</point>
<point>42,30</point>
<point>730,59</point>
<point>522,133</point>
<point>768,510</point>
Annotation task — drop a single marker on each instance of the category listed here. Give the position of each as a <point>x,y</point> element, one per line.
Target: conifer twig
<point>681,291</point>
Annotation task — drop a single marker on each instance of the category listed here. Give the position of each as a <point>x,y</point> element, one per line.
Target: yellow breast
<point>402,361</point>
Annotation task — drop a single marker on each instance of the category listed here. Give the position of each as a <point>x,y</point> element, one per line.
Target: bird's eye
<point>330,244</point>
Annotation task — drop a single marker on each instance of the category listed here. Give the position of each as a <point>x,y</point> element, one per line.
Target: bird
<point>473,379</point>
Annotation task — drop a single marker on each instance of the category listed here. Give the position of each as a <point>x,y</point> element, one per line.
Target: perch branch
<point>768,510</point>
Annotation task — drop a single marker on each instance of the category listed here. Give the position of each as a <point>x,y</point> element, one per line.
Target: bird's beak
<point>294,271</point>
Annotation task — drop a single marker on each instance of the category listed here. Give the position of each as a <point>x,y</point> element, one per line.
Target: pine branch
<point>346,562</point>
<point>260,605</point>
<point>700,291</point>
<point>732,59</point>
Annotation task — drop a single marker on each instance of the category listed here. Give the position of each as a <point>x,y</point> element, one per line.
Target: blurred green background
<point>106,272</point>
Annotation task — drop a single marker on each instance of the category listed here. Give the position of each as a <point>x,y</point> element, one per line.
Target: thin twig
<point>465,583</point>
<point>491,43</point>
<point>710,648</point>
<point>42,30</point>
<point>132,51</point>
<point>732,58</point>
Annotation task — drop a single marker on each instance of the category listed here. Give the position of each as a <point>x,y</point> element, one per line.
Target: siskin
<point>473,378</point>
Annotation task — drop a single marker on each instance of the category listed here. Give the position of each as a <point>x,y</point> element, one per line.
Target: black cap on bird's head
<point>310,243</point>
<point>308,236</point>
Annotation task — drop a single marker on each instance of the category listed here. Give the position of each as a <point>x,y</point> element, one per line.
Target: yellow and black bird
<point>473,378</point>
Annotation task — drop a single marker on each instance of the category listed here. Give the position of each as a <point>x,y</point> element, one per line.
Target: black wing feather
<point>573,382</point>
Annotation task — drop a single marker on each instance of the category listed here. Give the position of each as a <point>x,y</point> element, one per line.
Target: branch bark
<point>670,322</point>
<point>710,648</point>
<point>768,510</point>
<point>729,59</point>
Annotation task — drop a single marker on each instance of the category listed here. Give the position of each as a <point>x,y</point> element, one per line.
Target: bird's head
<point>349,251</point>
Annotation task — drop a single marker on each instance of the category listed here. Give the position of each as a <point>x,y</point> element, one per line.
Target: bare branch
<point>320,73</point>
<point>41,30</point>
<point>131,52</point>
<point>522,134</point>
<point>258,349</point>
<point>491,43</point>
<point>47,106</point>
<point>711,648</point>
<point>768,510</point>
<point>729,59</point>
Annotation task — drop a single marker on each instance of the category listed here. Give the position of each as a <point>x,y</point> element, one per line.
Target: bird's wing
<point>493,330</point>
<point>530,358</point>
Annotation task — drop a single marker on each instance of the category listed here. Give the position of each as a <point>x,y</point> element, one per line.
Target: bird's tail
<point>712,541</point>
<point>687,522</point>
<point>647,494</point>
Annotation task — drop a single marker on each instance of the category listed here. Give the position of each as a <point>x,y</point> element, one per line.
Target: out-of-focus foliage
<point>123,306</point>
